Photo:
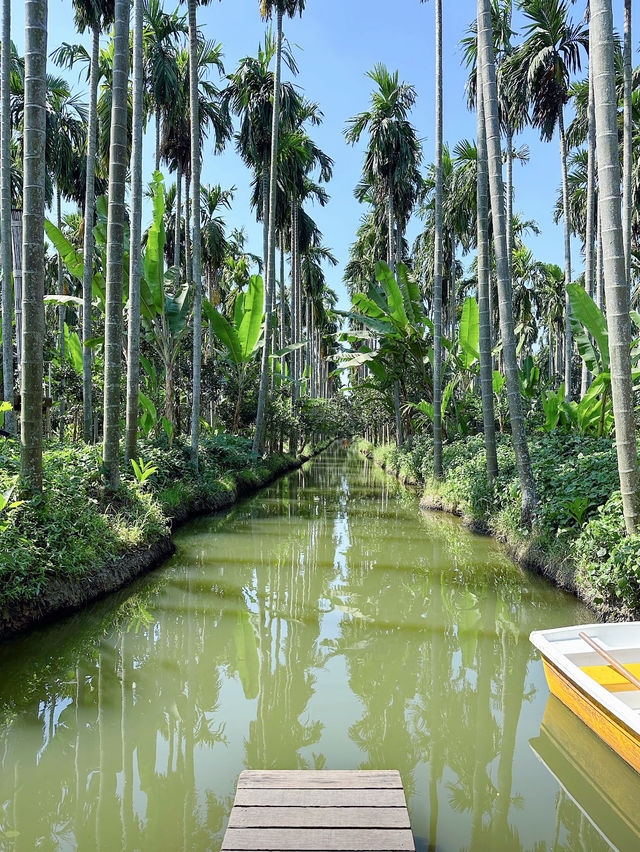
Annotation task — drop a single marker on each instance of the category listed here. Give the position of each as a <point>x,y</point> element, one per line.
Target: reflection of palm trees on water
<point>322,620</point>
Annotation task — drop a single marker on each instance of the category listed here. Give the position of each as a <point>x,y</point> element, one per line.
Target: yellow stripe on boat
<point>610,679</point>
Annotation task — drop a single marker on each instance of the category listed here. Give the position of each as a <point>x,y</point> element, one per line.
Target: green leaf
<point>585,313</point>
<point>154,255</point>
<point>71,258</point>
<point>54,299</point>
<point>393,294</point>
<point>498,381</point>
<point>469,335</point>
<point>73,348</point>
<point>250,326</point>
<point>225,333</point>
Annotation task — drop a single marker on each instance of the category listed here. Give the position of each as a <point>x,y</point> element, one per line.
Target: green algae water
<point>324,623</point>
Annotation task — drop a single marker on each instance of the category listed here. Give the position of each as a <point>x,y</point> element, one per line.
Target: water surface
<point>323,623</point>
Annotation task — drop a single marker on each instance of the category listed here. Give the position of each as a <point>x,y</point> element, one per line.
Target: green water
<point>324,623</point>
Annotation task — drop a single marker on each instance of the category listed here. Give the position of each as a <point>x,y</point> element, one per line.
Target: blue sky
<point>338,41</point>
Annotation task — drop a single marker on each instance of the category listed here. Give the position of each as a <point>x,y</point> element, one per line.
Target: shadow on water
<point>323,623</point>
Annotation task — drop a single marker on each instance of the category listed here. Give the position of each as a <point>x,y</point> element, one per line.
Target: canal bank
<point>324,622</point>
<point>577,543</point>
<point>180,500</point>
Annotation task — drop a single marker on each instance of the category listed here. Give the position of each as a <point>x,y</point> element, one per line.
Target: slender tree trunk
<point>437,260</point>
<point>33,193</point>
<point>486,361</point>
<point>88,242</point>
<point>5,218</point>
<point>294,262</point>
<point>188,239</point>
<point>490,94</point>
<point>509,189</point>
<point>115,245</point>
<point>627,150</point>
<point>391,259</point>
<point>589,240</point>
<point>158,132</point>
<point>61,320</point>
<point>600,300</point>
<point>16,241</point>
<point>197,244</point>
<point>177,228</point>
<point>615,281</point>
<point>265,215</point>
<point>567,258</point>
<point>135,260</point>
<point>282,294</point>
<point>258,438</point>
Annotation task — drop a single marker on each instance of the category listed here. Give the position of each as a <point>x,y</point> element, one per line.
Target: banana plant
<point>240,338</point>
<point>593,414</point>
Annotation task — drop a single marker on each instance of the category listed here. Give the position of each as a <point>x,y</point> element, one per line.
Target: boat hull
<point>602,722</point>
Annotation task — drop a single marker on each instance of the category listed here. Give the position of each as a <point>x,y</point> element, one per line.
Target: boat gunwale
<point>590,688</point>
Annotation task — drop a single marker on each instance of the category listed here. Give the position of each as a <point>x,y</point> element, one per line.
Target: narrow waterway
<point>324,623</point>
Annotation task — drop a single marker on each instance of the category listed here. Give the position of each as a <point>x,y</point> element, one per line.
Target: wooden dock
<point>319,811</point>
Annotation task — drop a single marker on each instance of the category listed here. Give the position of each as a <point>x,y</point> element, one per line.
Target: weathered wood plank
<point>322,798</point>
<point>314,817</point>
<point>319,779</point>
<point>320,840</point>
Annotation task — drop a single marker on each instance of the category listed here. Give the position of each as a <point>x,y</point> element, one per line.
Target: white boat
<point>595,670</point>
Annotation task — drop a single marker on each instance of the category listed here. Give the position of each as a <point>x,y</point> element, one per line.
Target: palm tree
<point>115,245</point>
<point>135,271</point>
<point>544,64</point>
<point>200,56</point>
<point>392,159</point>
<point>5,232</point>
<point>97,15</point>
<point>627,140</point>
<point>437,260</point>
<point>484,263</point>
<point>290,8</point>
<point>159,43</point>
<point>33,193</point>
<point>617,294</point>
<point>490,104</point>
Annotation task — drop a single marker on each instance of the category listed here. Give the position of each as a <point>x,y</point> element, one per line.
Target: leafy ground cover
<point>579,528</point>
<point>76,525</point>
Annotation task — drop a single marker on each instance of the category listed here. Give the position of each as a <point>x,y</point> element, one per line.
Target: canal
<point>326,622</point>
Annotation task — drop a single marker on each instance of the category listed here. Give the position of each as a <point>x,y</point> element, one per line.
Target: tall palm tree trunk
<point>292,320</point>
<point>188,260</point>
<point>197,243</point>
<point>490,95</point>
<point>486,361</point>
<point>177,225</point>
<point>391,260</point>
<point>627,155</point>
<point>567,258</point>
<point>5,219</point>
<point>158,129</point>
<point>89,214</point>
<point>33,192</point>
<point>258,438</point>
<point>589,240</point>
<point>282,294</point>
<point>509,189</point>
<point>135,261</point>
<point>265,213</point>
<point>615,281</point>
<point>437,260</point>
<point>115,245</point>
<point>16,242</point>
<point>61,320</point>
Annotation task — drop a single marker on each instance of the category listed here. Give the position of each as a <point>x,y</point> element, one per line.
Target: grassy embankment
<point>78,540</point>
<point>578,538</point>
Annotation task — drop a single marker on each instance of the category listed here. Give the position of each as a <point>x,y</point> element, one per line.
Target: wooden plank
<point>315,817</point>
<point>319,779</point>
<point>322,840</point>
<point>273,797</point>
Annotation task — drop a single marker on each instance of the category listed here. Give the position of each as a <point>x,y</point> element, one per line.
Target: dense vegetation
<point>465,337</point>
<point>132,346</point>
